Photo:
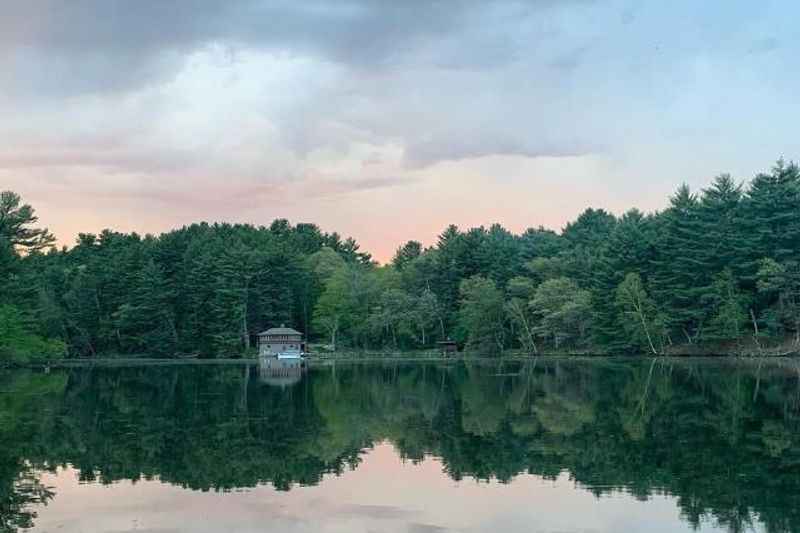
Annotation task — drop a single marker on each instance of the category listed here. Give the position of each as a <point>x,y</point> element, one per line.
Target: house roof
<point>283,330</point>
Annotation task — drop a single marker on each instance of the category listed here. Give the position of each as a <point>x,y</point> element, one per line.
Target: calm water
<point>553,446</point>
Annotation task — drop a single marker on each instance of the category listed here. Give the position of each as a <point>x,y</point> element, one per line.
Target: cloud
<point>108,159</point>
<point>424,153</point>
<point>224,107</point>
<point>443,80</point>
<point>425,528</point>
<point>99,46</point>
<point>324,188</point>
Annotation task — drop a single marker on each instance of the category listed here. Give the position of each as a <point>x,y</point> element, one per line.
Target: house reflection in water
<point>281,372</point>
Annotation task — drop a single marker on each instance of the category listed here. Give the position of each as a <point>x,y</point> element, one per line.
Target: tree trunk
<point>755,331</point>
<point>529,333</point>
<point>640,311</point>
<point>245,333</point>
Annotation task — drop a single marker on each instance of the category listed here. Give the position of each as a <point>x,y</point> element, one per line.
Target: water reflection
<point>281,372</point>
<point>723,438</point>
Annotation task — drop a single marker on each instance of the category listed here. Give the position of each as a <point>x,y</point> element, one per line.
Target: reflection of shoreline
<point>616,425</point>
<point>789,365</point>
<point>281,372</point>
<point>355,500</point>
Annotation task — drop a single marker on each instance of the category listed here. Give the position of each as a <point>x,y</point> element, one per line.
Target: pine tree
<point>83,311</point>
<point>450,269</point>
<point>588,234</point>
<point>198,294</point>
<point>729,309</point>
<point>720,251</point>
<point>16,220</point>
<point>540,242</point>
<point>629,249</point>
<point>406,253</point>
<point>482,315</point>
<point>8,265</point>
<point>678,278</point>
<point>771,217</point>
<point>720,227</point>
<point>229,303</point>
<point>500,255</point>
<point>147,323</point>
<point>781,282</point>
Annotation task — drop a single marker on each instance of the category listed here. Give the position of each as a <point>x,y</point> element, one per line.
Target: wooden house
<point>277,341</point>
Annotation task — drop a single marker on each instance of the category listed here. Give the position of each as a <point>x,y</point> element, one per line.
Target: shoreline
<point>398,357</point>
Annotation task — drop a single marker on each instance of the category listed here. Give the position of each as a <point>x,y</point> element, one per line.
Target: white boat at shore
<point>283,356</point>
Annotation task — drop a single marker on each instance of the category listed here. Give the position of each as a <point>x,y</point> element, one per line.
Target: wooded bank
<point>716,271</point>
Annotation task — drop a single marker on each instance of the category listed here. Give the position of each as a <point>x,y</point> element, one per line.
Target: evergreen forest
<point>717,271</point>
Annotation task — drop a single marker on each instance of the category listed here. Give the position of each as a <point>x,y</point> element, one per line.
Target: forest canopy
<point>717,270</point>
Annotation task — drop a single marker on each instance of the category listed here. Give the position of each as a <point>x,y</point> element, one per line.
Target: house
<point>280,340</point>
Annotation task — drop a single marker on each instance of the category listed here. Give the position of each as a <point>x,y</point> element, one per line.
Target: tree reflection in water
<point>723,437</point>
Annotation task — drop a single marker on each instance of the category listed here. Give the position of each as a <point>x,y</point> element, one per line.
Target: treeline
<point>717,270</point>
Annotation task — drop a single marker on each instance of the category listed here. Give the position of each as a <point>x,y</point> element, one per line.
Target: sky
<point>385,120</point>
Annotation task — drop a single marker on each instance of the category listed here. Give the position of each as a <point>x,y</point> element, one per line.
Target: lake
<point>547,445</point>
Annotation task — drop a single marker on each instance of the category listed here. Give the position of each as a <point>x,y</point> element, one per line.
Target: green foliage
<point>482,315</point>
<point>8,264</point>
<point>771,215</point>
<point>781,282</point>
<point>406,253</point>
<point>629,249</point>
<point>563,312</point>
<point>345,303</point>
<point>643,324</point>
<point>721,439</point>
<point>677,279</point>
<point>712,267</point>
<point>147,323</point>
<point>520,290</point>
<point>729,309</point>
<point>18,344</point>
<point>722,240</point>
<point>16,220</point>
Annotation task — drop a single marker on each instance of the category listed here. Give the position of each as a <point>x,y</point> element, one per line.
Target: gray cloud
<point>60,53</point>
<point>114,45</point>
<point>323,188</point>
<point>253,99</point>
<point>421,154</point>
<point>425,528</point>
